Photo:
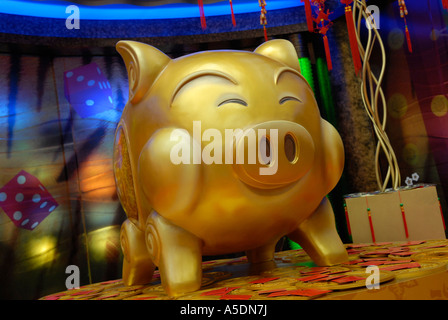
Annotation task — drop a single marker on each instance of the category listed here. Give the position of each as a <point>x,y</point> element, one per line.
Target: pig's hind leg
<point>261,254</point>
<point>138,267</point>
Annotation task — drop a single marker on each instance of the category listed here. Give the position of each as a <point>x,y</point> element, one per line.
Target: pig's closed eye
<point>239,101</point>
<point>289,98</point>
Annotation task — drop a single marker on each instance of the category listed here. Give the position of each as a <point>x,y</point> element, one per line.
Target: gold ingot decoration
<point>219,152</point>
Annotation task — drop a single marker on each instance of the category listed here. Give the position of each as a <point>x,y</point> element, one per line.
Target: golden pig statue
<point>188,193</point>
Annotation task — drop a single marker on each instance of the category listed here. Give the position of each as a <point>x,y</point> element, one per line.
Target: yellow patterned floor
<point>292,276</point>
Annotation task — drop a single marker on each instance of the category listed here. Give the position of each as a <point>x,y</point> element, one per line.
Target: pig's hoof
<point>138,267</point>
<point>153,243</point>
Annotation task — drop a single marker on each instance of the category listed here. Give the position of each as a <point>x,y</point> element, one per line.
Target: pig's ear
<point>144,63</point>
<point>280,50</point>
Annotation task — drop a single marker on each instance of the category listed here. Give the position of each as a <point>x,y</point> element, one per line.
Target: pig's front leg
<point>177,253</point>
<point>318,237</point>
<point>172,188</point>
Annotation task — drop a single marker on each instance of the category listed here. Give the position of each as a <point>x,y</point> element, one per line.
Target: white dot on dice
<point>51,209</point>
<point>19,197</point>
<point>34,225</point>
<point>25,222</point>
<point>90,102</point>
<point>36,198</point>
<point>3,196</point>
<point>69,74</point>
<point>91,83</point>
<point>17,215</point>
<point>43,204</point>
<point>80,78</point>
<point>21,180</point>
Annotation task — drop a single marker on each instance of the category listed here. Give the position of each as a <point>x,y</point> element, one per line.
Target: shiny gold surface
<point>223,203</point>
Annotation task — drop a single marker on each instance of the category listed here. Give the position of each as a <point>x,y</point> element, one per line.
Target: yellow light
<point>104,243</point>
<point>40,251</point>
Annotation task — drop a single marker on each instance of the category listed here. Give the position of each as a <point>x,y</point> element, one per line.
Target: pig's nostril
<point>265,150</point>
<point>290,148</point>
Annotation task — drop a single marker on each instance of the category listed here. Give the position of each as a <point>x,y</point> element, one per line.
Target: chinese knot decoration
<point>403,14</point>
<point>321,24</point>
<point>263,19</point>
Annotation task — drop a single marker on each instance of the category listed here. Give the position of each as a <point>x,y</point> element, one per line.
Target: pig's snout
<point>284,150</point>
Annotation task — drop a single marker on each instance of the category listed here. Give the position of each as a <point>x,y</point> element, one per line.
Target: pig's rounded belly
<point>228,227</point>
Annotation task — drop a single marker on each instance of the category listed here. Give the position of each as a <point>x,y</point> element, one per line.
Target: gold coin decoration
<point>346,281</point>
<point>292,276</point>
<point>283,271</point>
<point>420,269</point>
<point>438,255</point>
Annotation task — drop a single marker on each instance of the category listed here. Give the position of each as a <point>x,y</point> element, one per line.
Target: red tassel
<point>327,53</point>
<point>408,38</point>
<point>403,215</point>
<point>233,15</point>
<point>353,41</point>
<point>372,232</point>
<point>309,15</point>
<point>441,212</point>
<point>201,13</point>
<point>445,4</point>
<point>265,33</point>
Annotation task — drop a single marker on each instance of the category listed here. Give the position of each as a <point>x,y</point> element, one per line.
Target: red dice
<point>26,201</point>
<point>88,90</point>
